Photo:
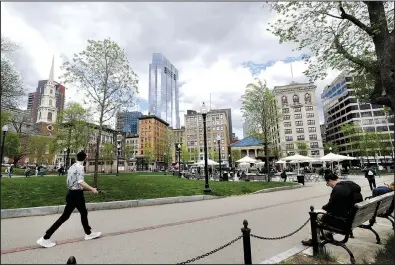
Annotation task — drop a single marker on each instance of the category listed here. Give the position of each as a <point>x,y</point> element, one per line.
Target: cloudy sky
<point>209,44</point>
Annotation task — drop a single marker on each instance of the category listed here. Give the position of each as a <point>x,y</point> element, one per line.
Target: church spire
<point>51,73</point>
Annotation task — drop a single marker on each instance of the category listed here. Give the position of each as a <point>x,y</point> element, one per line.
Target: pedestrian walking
<point>27,172</point>
<point>74,199</point>
<point>284,175</point>
<point>10,169</point>
<point>36,171</point>
<point>370,175</point>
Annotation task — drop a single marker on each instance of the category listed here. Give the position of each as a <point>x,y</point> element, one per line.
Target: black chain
<point>281,237</point>
<point>212,252</point>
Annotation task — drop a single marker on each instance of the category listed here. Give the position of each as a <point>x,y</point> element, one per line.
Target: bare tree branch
<point>355,21</point>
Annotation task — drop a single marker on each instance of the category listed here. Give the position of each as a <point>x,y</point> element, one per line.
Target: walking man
<point>370,175</point>
<point>74,199</point>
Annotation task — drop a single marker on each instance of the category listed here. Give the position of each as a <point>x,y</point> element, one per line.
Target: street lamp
<point>179,159</point>
<point>330,149</point>
<point>119,139</point>
<point>165,158</point>
<point>219,153</point>
<point>204,114</point>
<point>4,130</point>
<point>64,158</point>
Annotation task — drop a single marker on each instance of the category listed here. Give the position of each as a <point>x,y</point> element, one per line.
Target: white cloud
<point>205,67</point>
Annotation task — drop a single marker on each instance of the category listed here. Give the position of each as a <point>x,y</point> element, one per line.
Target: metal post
<point>219,158</point>
<point>206,186</point>
<point>2,152</point>
<point>117,161</point>
<point>179,162</point>
<point>246,243</point>
<point>314,234</point>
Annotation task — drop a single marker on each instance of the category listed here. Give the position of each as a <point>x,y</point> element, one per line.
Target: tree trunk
<point>98,139</point>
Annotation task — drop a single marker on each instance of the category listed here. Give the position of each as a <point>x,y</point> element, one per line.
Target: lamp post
<point>179,159</point>
<point>119,139</point>
<point>204,114</point>
<point>230,161</point>
<point>64,158</point>
<point>4,130</point>
<point>165,159</point>
<point>219,153</point>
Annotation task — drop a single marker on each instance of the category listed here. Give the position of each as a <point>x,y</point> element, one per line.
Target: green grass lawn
<point>43,191</point>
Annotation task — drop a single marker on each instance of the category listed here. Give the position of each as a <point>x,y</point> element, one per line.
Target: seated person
<point>383,189</point>
<point>341,203</point>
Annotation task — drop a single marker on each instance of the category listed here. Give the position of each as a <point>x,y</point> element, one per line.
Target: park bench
<point>363,212</point>
<point>384,211</point>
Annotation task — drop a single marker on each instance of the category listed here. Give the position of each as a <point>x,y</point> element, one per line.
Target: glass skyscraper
<point>163,90</point>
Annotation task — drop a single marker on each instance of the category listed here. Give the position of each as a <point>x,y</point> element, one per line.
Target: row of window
<point>201,142</point>
<point>298,116</point>
<point>299,109</point>
<point>299,123</point>
<point>312,145</point>
<point>295,99</point>
<point>299,130</point>
<point>199,118</point>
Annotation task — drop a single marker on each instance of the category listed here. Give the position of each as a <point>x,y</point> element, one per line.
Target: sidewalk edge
<point>278,189</point>
<point>285,255</point>
<point>95,206</point>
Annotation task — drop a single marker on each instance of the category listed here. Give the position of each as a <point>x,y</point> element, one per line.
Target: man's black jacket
<point>341,202</point>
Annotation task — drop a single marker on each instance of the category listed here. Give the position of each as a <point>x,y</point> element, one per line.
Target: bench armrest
<point>332,216</point>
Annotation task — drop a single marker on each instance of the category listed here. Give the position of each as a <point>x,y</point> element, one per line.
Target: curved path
<point>172,233</point>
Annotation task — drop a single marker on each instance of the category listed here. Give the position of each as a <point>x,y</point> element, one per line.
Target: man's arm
<point>81,181</point>
<point>335,198</point>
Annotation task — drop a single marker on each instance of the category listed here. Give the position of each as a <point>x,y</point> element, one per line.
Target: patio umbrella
<point>297,159</point>
<point>331,157</point>
<point>209,162</point>
<point>246,159</point>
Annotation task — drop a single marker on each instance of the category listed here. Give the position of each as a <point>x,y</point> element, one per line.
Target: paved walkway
<point>172,233</point>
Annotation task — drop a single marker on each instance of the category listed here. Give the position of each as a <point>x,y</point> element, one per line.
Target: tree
<point>331,147</point>
<point>149,153</point>
<point>11,145</point>
<point>260,112</point>
<point>108,153</point>
<point>103,72</point>
<point>358,36</point>
<point>302,147</point>
<point>11,82</point>
<point>195,154</point>
<point>185,155</point>
<point>236,154</point>
<point>72,129</point>
<point>39,148</point>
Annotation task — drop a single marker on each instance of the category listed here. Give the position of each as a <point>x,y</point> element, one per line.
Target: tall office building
<point>218,123</point>
<point>35,98</point>
<point>245,129</point>
<point>128,122</point>
<point>342,107</point>
<point>163,90</point>
<point>300,122</point>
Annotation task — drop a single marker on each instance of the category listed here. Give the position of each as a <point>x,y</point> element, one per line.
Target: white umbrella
<point>246,159</point>
<point>297,159</point>
<point>336,157</point>
<point>209,162</point>
<point>281,162</point>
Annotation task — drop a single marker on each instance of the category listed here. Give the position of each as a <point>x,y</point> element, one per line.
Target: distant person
<point>284,175</point>
<point>370,176</point>
<point>74,199</point>
<point>10,169</point>
<point>344,195</point>
<point>27,172</point>
<point>36,170</point>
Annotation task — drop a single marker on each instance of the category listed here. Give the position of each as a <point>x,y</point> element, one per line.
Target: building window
<point>287,117</point>
<point>309,108</point>
<point>313,137</point>
<point>290,146</point>
<point>286,110</point>
<point>310,115</point>
<point>298,116</point>
<point>288,131</point>
<point>288,138</point>
<point>299,130</point>
<point>312,129</point>
<point>295,99</point>
<point>49,116</point>
<point>307,98</point>
<point>287,124</point>
<point>366,114</point>
<point>284,100</point>
<point>315,152</point>
<point>314,145</point>
<point>310,122</point>
<point>300,137</point>
<point>298,109</point>
<point>299,123</point>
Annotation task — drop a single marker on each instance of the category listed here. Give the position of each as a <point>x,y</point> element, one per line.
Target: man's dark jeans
<point>74,199</point>
<point>372,183</point>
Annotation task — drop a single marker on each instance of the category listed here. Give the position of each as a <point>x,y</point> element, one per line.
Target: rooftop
<point>146,117</point>
<point>248,141</point>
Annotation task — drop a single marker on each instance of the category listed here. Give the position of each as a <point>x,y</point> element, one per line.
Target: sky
<point>212,44</point>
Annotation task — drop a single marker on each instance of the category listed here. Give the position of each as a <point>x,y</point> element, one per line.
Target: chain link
<point>212,252</point>
<point>281,237</point>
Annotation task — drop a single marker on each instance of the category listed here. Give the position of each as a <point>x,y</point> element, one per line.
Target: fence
<point>246,236</point>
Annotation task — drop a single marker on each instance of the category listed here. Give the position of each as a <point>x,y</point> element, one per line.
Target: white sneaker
<point>46,243</point>
<point>92,235</point>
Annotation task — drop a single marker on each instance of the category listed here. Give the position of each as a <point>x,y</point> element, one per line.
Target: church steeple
<point>51,73</point>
